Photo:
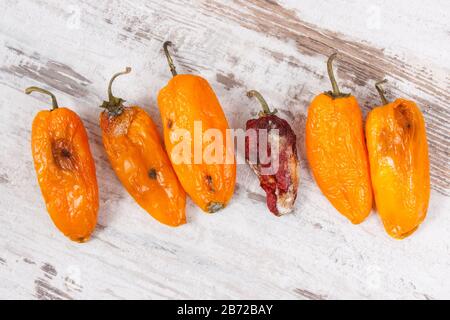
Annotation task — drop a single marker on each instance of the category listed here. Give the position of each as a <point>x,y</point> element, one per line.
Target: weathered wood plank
<point>279,48</point>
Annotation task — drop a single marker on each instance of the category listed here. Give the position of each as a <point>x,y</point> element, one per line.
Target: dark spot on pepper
<point>62,154</point>
<point>214,207</point>
<point>65,153</point>
<point>169,124</point>
<point>404,116</point>
<point>152,174</point>
<point>209,183</point>
<point>82,239</point>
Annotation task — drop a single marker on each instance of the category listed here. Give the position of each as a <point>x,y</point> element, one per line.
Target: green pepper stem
<point>110,95</point>
<point>381,91</point>
<point>262,101</point>
<point>169,57</point>
<point>54,102</point>
<point>336,91</point>
<point>114,105</point>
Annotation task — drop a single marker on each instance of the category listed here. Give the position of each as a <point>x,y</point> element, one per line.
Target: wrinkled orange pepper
<point>138,158</point>
<point>65,170</point>
<point>337,153</point>
<point>399,164</point>
<point>185,100</point>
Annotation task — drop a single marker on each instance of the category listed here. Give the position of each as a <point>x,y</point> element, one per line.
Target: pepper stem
<point>114,105</point>
<point>266,110</point>
<point>381,91</point>
<point>334,84</point>
<point>54,102</point>
<point>336,93</point>
<point>169,57</point>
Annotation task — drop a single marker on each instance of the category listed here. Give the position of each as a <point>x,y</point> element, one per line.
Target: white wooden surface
<point>279,48</point>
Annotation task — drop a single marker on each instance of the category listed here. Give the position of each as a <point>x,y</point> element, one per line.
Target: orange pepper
<point>399,164</point>
<point>138,158</point>
<point>185,100</point>
<point>337,153</point>
<point>65,170</point>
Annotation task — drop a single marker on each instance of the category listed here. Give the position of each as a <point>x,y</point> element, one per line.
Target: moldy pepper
<point>65,169</point>
<point>138,158</point>
<point>278,175</point>
<point>399,164</point>
<point>184,103</point>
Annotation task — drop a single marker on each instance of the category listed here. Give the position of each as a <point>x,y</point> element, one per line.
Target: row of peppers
<point>393,166</point>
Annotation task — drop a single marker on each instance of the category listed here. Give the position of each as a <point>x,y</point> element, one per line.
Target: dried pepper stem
<point>334,84</point>
<point>262,101</point>
<point>336,93</point>
<point>32,89</point>
<point>169,57</point>
<point>115,104</point>
<point>381,91</point>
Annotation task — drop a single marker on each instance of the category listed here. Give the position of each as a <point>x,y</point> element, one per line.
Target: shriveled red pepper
<point>279,180</point>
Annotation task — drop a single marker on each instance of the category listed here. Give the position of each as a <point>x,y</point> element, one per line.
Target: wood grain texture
<point>276,47</point>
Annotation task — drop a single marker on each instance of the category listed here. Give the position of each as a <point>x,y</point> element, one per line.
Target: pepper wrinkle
<point>209,182</point>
